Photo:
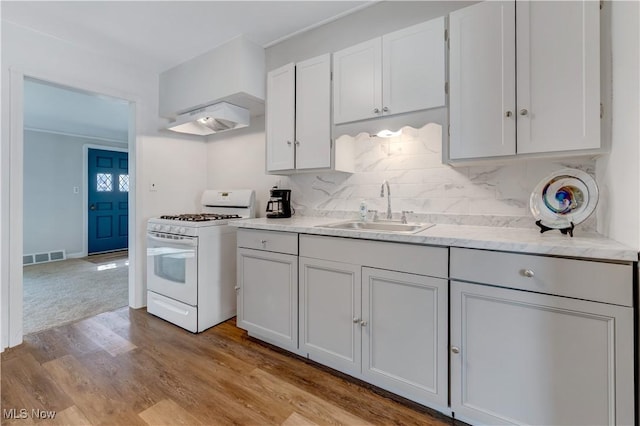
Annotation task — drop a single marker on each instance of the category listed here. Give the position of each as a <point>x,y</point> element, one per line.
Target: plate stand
<point>565,231</point>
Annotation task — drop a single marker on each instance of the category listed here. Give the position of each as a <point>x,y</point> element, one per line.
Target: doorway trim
<point>11,308</point>
<point>85,192</point>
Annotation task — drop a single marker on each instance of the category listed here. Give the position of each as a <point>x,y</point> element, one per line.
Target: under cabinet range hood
<point>214,118</point>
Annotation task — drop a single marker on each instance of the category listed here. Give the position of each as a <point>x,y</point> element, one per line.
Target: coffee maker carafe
<point>279,204</point>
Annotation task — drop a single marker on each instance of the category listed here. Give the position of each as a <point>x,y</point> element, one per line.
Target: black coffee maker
<point>279,204</point>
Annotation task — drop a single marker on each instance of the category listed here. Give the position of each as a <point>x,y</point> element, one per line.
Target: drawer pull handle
<point>363,323</point>
<point>528,273</point>
<point>356,320</point>
<point>263,242</point>
<point>455,349</point>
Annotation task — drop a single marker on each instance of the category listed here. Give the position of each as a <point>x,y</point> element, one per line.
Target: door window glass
<point>104,182</point>
<point>123,183</point>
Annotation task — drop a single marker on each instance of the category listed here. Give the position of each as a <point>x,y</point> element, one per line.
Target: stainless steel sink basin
<point>381,226</point>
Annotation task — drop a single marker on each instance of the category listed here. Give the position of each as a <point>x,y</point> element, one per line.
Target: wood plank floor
<point>130,368</point>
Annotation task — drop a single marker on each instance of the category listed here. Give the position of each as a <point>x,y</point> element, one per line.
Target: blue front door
<point>108,200</point>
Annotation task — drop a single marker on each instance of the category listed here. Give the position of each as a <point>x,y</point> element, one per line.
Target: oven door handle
<point>190,242</point>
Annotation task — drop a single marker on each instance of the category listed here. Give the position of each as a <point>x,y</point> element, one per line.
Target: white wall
<point>363,25</point>
<point>53,166</point>
<point>236,160</point>
<point>160,156</point>
<point>619,172</point>
<point>178,169</point>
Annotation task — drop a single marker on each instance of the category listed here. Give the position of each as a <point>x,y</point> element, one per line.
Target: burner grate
<point>200,217</point>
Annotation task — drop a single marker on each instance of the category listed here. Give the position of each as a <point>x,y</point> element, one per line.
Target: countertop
<point>520,240</point>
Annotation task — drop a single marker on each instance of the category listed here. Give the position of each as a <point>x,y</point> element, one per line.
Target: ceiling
<point>63,110</point>
<point>151,35</point>
<point>158,35</point>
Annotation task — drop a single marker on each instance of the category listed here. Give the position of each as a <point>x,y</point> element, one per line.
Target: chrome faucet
<point>389,216</point>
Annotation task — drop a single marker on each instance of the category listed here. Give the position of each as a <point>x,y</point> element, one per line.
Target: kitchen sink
<point>381,226</point>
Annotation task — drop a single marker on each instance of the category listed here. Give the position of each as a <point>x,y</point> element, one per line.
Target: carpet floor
<point>57,293</point>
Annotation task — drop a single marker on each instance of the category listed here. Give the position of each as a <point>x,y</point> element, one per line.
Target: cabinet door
<point>482,114</point>
<point>558,45</point>
<point>527,358</point>
<point>268,296</point>
<point>413,69</point>
<point>330,329</point>
<point>357,82</point>
<point>404,343</point>
<point>313,113</point>
<point>280,118</point>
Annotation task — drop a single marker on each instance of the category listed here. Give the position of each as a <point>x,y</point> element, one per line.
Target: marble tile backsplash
<point>495,194</point>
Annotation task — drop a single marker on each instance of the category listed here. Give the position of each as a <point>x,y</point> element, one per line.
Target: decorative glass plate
<point>564,198</point>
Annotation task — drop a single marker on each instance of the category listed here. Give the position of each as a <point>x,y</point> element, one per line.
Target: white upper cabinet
<point>556,82</point>
<point>399,72</point>
<point>413,71</point>
<point>357,85</point>
<point>280,118</point>
<point>313,113</point>
<point>558,45</point>
<point>482,67</point>
<point>299,119</point>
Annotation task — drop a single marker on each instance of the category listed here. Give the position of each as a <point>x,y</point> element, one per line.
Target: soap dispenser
<point>363,210</point>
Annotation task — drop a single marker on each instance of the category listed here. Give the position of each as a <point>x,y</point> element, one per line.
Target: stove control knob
<point>173,229</point>
<point>183,230</point>
<point>165,228</point>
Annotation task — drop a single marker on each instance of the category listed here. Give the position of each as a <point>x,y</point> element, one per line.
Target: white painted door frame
<point>11,303</point>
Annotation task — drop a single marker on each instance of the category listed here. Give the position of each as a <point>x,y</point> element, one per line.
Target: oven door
<point>172,266</point>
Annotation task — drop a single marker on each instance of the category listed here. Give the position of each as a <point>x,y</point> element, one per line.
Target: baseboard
<point>76,255</point>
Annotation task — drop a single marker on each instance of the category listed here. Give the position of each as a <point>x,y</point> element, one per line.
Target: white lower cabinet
<point>330,313</point>
<point>268,291</point>
<point>522,357</point>
<point>386,327</point>
<point>536,341</point>
<point>404,338</point>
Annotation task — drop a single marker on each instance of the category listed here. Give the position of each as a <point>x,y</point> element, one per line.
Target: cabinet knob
<point>237,288</point>
<point>263,242</point>
<point>455,349</point>
<point>288,142</point>
<point>376,110</point>
<point>356,320</point>
<point>528,273</point>
<point>297,142</point>
<point>524,112</point>
<point>385,109</point>
<point>363,323</point>
<point>508,114</point>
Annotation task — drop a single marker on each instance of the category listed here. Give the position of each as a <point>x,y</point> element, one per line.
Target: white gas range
<point>191,261</point>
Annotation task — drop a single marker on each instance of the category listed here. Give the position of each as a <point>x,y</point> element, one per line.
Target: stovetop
<point>200,217</point>
<point>190,224</point>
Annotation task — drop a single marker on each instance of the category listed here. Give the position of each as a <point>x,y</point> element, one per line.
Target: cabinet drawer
<point>581,279</point>
<point>281,242</point>
<point>415,259</point>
